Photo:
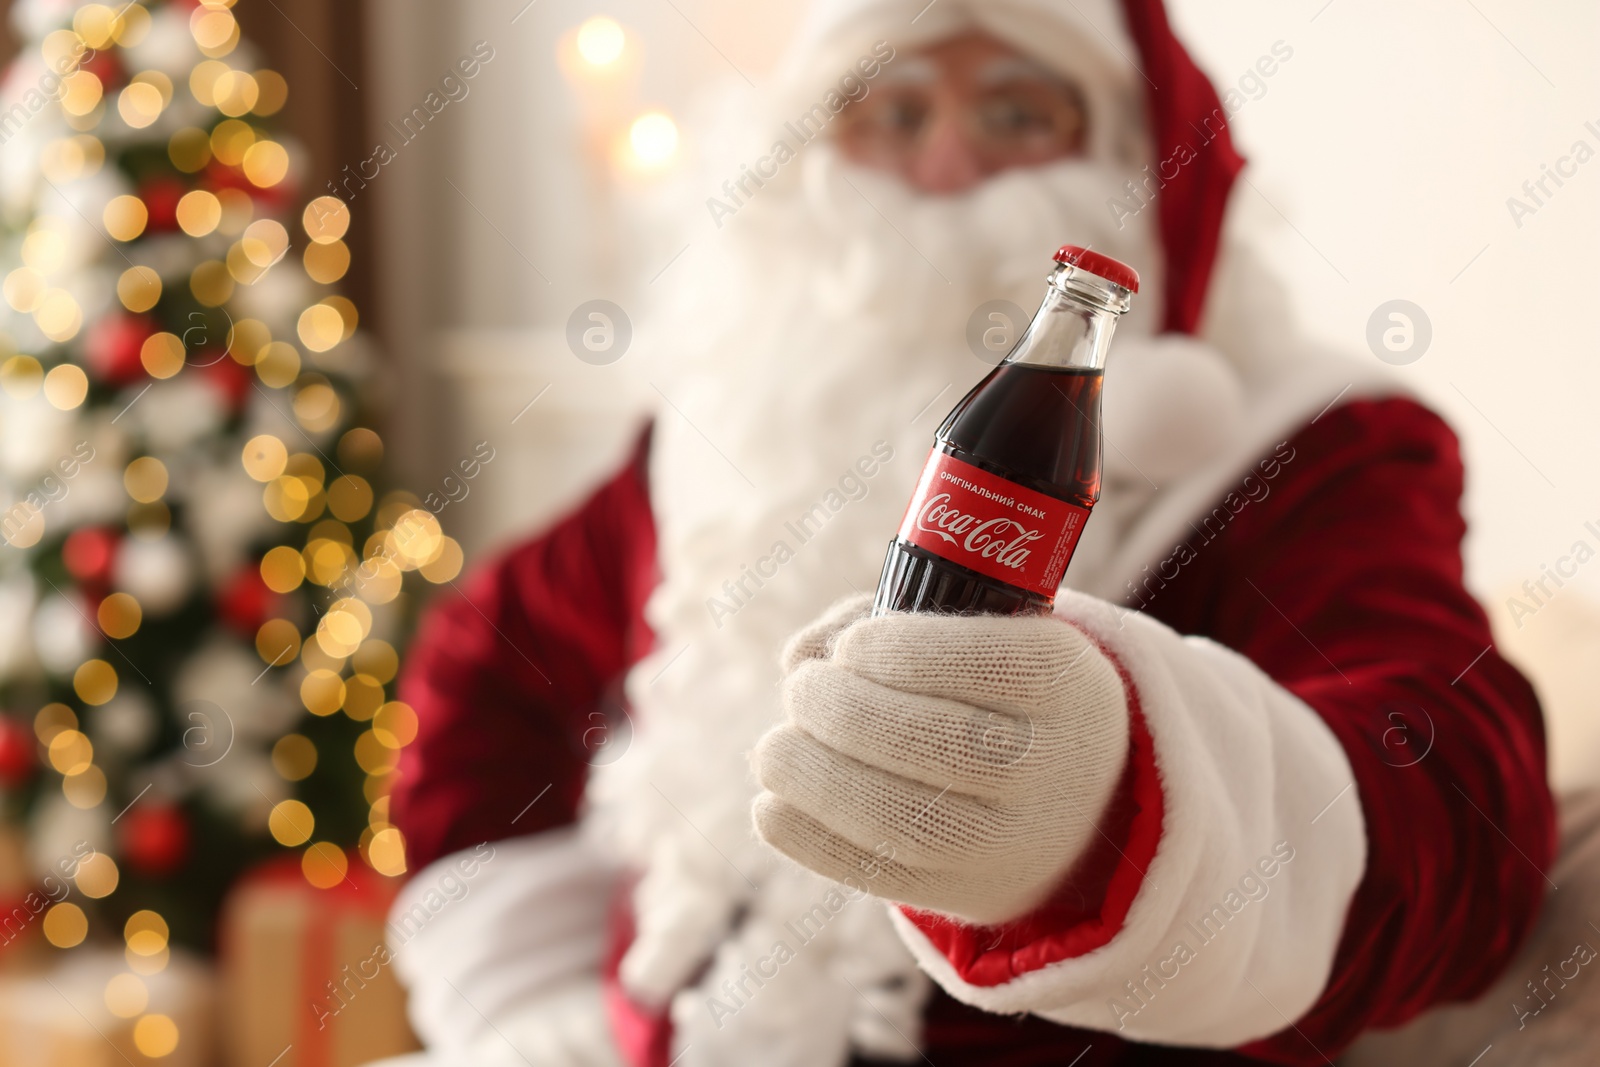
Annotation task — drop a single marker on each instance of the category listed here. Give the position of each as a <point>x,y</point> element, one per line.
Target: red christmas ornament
<point>88,554</point>
<point>17,762</point>
<point>244,601</point>
<point>112,347</point>
<point>153,838</point>
<point>275,199</point>
<point>161,196</point>
<point>271,201</point>
<point>219,176</point>
<point>224,375</point>
<point>104,65</point>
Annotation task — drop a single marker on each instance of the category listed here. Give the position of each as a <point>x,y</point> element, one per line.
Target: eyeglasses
<point>1020,121</point>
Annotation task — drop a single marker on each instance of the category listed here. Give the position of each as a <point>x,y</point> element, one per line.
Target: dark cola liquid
<point>1036,426</point>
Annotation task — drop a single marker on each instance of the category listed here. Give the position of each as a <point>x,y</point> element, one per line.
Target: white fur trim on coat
<point>1263,845</point>
<point>486,938</point>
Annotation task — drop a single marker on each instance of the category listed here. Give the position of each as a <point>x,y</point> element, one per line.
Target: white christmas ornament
<point>168,46</point>
<point>16,607</point>
<point>62,634</point>
<point>277,297</point>
<point>243,783</point>
<point>94,495</point>
<point>125,724</point>
<point>172,257</point>
<point>62,834</point>
<point>34,437</point>
<point>86,199</point>
<point>178,412</point>
<point>35,18</point>
<point>220,680</point>
<point>158,573</point>
<point>225,515</point>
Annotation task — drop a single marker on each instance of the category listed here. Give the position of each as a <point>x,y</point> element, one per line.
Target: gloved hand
<point>953,763</point>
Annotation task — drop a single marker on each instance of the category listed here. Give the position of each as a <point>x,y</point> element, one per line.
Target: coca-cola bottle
<point>1015,467</point>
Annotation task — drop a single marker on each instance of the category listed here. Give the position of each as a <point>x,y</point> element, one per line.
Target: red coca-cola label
<point>993,526</point>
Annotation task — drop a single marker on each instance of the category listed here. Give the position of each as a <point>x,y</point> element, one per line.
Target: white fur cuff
<point>1263,845</point>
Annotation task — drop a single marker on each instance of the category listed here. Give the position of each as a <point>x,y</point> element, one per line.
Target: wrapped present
<point>22,905</point>
<point>306,974</point>
<point>88,1009</point>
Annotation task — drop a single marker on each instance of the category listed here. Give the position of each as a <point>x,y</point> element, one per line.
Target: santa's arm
<point>508,675</point>
<point>1208,909</point>
<point>499,932</point>
<point>1370,624</point>
<point>1335,811</point>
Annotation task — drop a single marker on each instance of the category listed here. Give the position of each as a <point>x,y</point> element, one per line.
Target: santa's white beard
<point>806,364</point>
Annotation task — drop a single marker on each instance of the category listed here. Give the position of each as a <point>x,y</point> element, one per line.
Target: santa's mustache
<point>855,251</point>
<point>987,240</point>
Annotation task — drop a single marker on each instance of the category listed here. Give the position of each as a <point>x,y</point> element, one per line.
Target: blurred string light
<point>126,995</point>
<point>348,670</point>
<point>601,41</point>
<point>653,139</point>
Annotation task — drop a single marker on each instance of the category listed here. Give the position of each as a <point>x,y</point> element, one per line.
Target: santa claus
<point>1274,788</point>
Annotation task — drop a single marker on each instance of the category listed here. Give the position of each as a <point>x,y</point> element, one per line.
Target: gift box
<point>21,906</point>
<point>87,1009</point>
<point>306,975</point>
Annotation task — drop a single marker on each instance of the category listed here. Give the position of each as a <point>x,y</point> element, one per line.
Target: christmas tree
<point>201,586</point>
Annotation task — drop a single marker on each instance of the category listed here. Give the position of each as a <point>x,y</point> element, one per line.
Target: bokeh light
<point>70,751</point>
<point>653,138</point>
<point>119,615</point>
<point>96,876</point>
<point>294,757</point>
<point>155,1036</point>
<point>65,925</point>
<point>162,355</point>
<point>600,41</point>
<point>199,211</point>
<point>324,865</point>
<point>278,642</point>
<point>95,682</point>
<point>126,995</point>
<point>65,386</point>
<point>290,823</point>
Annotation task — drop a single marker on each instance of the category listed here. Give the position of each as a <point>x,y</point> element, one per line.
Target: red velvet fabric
<point>1195,161</point>
<point>513,669</point>
<point>1343,584</point>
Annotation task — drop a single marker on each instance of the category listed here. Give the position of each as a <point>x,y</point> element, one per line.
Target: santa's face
<point>960,111</point>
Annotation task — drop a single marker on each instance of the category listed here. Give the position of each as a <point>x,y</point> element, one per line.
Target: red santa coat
<point>1344,586</point>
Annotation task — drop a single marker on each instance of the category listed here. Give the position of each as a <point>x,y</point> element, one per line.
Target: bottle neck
<point>1072,328</point>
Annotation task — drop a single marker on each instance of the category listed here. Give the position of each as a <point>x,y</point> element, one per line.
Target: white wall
<point>1389,144</point>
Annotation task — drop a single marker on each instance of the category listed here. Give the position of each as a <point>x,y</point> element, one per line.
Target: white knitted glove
<point>953,763</point>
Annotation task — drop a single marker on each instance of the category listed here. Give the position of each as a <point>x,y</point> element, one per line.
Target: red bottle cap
<point>1103,266</point>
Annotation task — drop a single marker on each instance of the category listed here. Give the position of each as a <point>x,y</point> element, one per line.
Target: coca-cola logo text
<point>989,524</point>
<point>1000,539</point>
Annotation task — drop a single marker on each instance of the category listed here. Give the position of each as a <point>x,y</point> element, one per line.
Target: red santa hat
<point>1117,52</point>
